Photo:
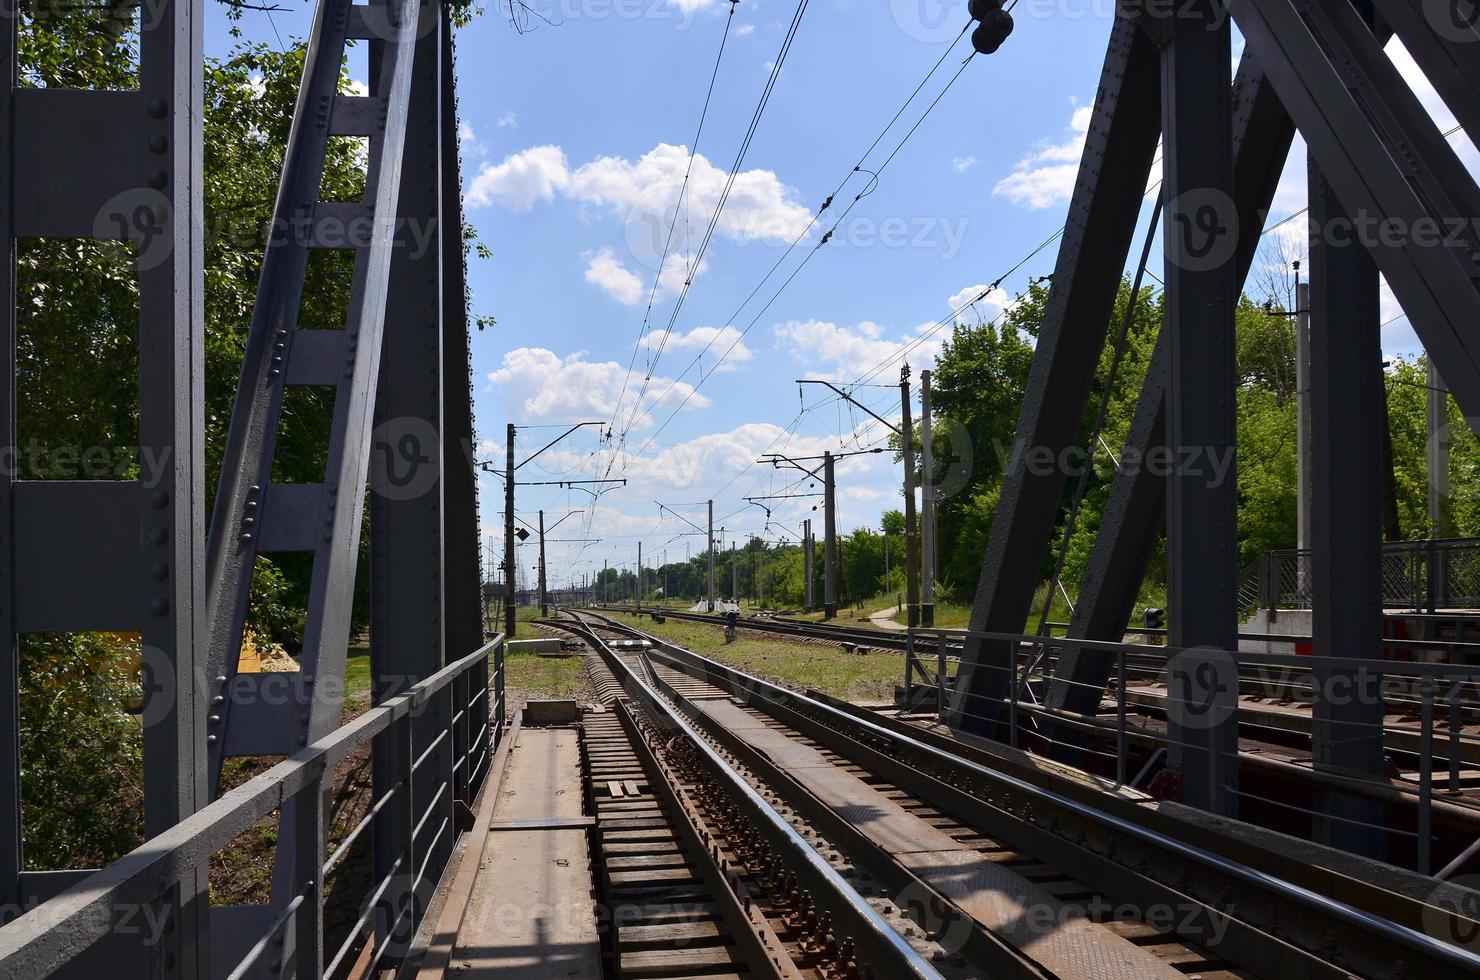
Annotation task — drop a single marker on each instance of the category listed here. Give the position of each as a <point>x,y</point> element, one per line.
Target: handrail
<point>50,935</point>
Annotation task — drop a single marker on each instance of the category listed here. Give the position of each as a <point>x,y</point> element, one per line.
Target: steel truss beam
<point>1200,236</point>
<point>1107,197</point>
<point>123,165</point>
<point>1134,516</point>
<point>1393,172</point>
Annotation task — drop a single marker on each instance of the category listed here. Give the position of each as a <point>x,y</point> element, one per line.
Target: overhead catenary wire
<point>698,257</point>
<point>678,205</point>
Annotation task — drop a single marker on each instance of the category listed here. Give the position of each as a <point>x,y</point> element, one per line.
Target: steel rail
<point>1360,921</point>
<point>873,936</point>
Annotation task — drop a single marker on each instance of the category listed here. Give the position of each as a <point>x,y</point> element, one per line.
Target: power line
<point>795,272</point>
<point>698,256</point>
<point>683,189</point>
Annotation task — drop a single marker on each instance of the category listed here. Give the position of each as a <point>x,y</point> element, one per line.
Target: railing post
<point>1012,711</point>
<point>941,669</point>
<point>307,960</point>
<point>1120,734</point>
<point>1426,777</point>
<point>909,671</point>
<point>1454,736</point>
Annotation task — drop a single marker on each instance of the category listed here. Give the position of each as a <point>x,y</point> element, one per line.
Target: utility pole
<point>711,556</point>
<point>1302,428</point>
<point>927,508</point>
<point>808,592</point>
<point>1438,442</point>
<point>830,540</point>
<point>544,594</point>
<point>510,586</point>
<point>911,549</point>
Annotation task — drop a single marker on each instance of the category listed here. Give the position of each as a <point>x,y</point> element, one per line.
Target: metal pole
<point>711,556</point>
<point>544,595</point>
<point>809,560</point>
<point>830,541</point>
<point>911,545</point>
<point>1302,430</point>
<point>1426,777</point>
<point>1438,455</point>
<point>927,508</point>
<point>510,595</point>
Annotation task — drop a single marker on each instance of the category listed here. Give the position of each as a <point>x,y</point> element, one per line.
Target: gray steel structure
<point>1378,158</point>
<point>397,367</point>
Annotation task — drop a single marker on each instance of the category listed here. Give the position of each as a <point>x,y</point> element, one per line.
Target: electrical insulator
<point>995,26</point>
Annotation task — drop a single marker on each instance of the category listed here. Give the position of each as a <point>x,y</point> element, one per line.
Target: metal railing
<point>1437,701</point>
<point>59,932</point>
<point>1418,575</point>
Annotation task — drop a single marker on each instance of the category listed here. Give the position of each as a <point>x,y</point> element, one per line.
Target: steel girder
<point>278,713</point>
<point>1347,412</point>
<point>1388,165</point>
<point>423,532</point>
<point>1444,50</point>
<point>1107,197</point>
<point>1200,236</point>
<point>135,543</point>
<point>1134,516</point>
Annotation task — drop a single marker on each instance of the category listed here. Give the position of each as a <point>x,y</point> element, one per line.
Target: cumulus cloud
<point>606,272</point>
<point>1046,177</point>
<point>988,306</point>
<point>713,341</point>
<point>542,386</point>
<point>839,353</point>
<point>521,179</point>
<point>645,193</point>
<point>963,164</point>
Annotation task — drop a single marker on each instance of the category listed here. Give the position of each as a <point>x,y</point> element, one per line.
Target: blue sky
<point>576,137</point>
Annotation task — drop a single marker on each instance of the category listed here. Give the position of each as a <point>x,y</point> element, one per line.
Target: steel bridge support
<point>1202,554</point>
<point>1134,517</point>
<point>1102,216</point>
<point>123,165</point>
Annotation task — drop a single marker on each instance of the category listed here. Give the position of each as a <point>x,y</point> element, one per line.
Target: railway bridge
<point>1035,805</point>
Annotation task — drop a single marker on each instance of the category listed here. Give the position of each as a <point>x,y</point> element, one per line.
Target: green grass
<point>822,666</point>
<point>544,677</point>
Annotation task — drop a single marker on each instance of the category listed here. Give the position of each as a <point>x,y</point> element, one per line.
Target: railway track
<point>976,872</point>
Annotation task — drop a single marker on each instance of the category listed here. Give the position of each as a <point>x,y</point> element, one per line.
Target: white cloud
<point>542,386</point>
<point>963,164</point>
<point>507,120</point>
<point>989,306</point>
<point>713,341</point>
<point>521,179</point>
<point>1046,177</point>
<point>839,353</point>
<point>645,193</point>
<point>745,30</point>
<point>606,272</point>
